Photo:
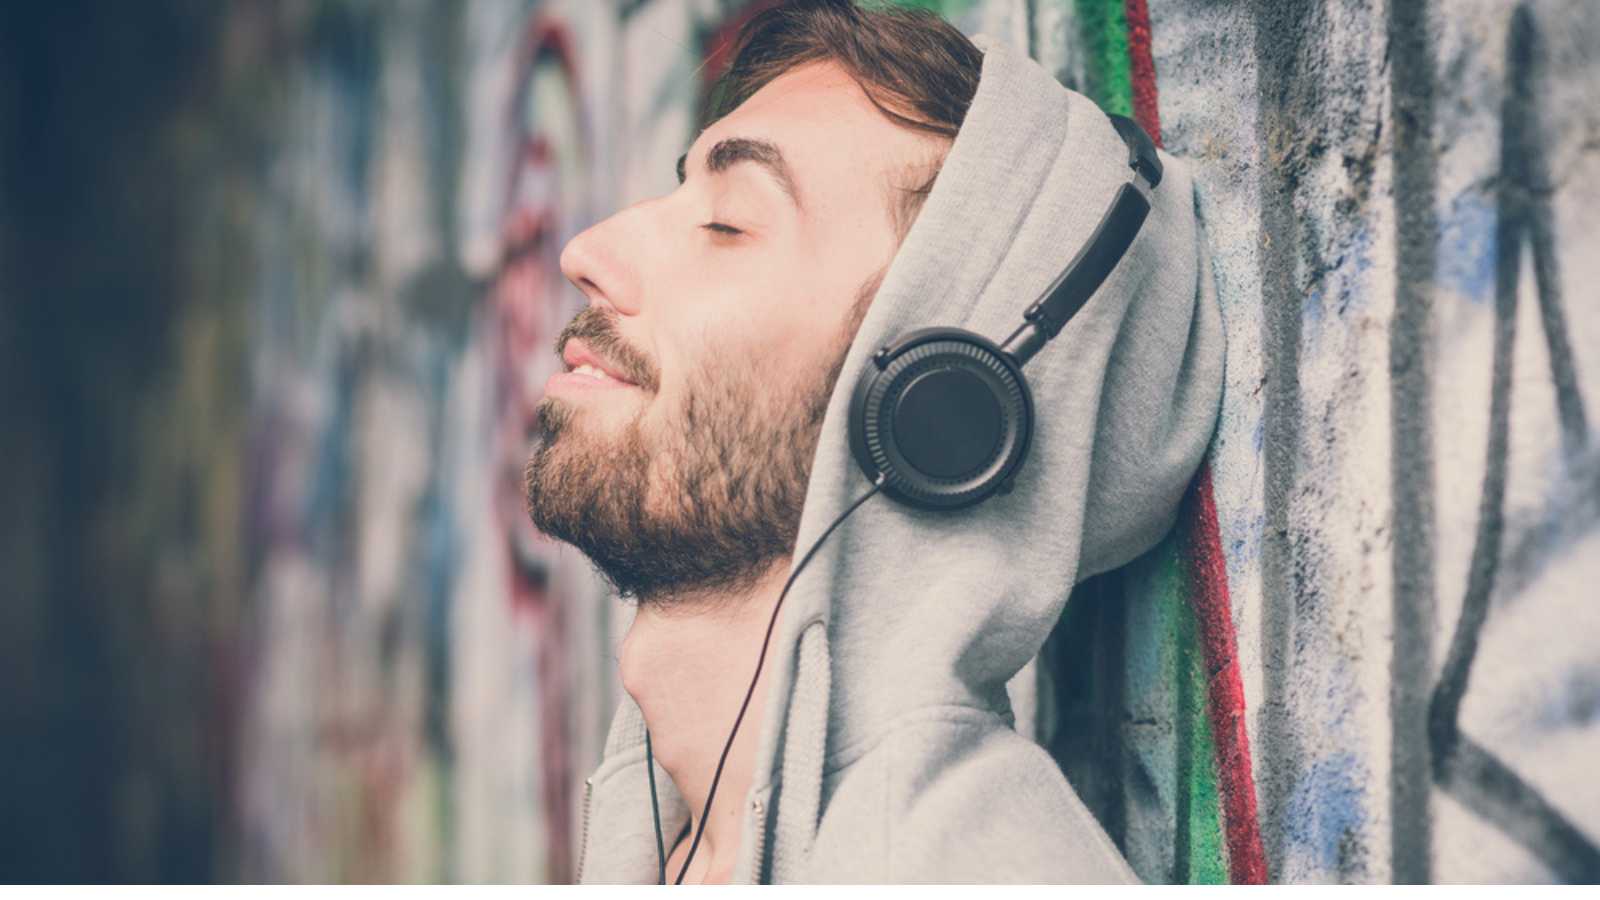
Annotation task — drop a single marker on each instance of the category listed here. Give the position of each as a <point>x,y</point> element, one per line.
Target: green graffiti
<point>1103,35</point>
<point>946,8</point>
<point>1166,690</point>
<point>1160,579</point>
<point>1198,846</point>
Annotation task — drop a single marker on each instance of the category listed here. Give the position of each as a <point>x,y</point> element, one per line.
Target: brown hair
<point>917,69</point>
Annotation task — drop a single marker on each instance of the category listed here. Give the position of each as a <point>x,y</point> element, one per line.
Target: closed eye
<point>720,228</point>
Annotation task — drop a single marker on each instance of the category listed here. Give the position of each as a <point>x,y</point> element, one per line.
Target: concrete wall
<point>1368,654</point>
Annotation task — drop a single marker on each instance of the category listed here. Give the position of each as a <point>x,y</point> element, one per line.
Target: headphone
<point>944,415</point>
<point>941,418</point>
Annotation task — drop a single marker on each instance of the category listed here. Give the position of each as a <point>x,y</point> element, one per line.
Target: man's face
<point>728,304</point>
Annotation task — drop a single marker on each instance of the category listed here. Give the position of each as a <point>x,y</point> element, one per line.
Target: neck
<point>687,662</point>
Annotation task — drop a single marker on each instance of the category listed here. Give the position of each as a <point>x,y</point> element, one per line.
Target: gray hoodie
<point>887,750</point>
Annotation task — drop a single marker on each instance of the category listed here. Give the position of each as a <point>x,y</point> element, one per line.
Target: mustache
<point>598,328</point>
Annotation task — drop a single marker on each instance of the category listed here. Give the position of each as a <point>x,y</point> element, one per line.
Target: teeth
<point>592,372</point>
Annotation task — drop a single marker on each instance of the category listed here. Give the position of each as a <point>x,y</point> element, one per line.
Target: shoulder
<point>958,796</point>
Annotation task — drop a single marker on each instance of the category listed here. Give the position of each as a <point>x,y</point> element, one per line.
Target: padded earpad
<point>945,415</point>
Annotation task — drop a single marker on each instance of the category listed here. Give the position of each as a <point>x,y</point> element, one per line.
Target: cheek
<point>776,326</point>
<point>682,355</point>
<point>732,352</point>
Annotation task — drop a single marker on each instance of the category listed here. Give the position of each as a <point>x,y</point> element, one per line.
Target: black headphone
<point>943,415</point>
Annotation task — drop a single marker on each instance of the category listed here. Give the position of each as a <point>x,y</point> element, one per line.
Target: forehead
<point>835,141</point>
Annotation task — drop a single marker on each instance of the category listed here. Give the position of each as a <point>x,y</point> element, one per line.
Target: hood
<point>903,609</point>
<point>925,608</point>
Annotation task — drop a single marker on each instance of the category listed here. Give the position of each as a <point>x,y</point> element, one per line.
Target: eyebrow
<point>730,151</point>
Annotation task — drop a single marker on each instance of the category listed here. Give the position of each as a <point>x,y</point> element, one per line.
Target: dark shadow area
<point>121,370</point>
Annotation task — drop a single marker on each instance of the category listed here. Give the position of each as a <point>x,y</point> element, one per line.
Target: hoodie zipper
<point>583,839</point>
<point>758,810</point>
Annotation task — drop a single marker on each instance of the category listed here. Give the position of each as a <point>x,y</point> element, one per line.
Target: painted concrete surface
<point>1402,487</point>
<point>1368,653</point>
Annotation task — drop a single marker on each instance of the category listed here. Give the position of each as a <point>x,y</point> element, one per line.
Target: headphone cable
<point>655,811</point>
<point>762,658</point>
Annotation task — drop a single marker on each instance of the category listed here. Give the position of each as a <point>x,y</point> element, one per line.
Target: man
<point>864,174</point>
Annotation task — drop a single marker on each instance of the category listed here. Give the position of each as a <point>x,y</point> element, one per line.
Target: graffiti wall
<point>1334,672</point>
<point>1367,654</point>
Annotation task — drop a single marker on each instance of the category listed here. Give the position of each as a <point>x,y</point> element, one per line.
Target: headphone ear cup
<point>944,416</point>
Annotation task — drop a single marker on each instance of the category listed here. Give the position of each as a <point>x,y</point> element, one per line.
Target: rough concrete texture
<point>1368,654</point>
<point>1403,484</point>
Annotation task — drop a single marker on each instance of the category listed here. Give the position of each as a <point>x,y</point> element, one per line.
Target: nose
<point>601,261</point>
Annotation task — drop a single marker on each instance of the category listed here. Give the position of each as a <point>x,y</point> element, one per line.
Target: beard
<point>706,502</point>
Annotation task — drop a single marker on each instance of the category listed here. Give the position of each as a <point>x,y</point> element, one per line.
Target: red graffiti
<point>1142,68</point>
<point>1208,572</point>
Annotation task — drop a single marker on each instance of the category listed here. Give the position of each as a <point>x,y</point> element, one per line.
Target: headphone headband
<point>1106,246</point>
<point>942,417</point>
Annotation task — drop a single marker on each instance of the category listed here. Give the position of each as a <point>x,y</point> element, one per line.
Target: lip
<point>577,353</point>
<point>561,381</point>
